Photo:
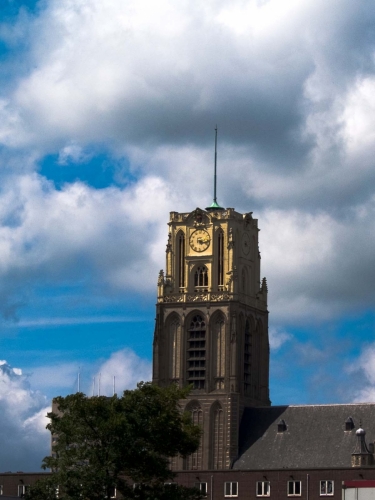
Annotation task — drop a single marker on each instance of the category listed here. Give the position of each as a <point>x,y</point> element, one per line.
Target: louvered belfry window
<point>197,353</point>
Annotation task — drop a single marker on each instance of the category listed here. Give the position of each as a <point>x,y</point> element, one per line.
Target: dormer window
<point>349,424</point>
<point>281,426</point>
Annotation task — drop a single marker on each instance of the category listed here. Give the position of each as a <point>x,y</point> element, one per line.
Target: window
<point>217,433</point>
<point>201,277</point>
<point>247,358</point>
<point>22,488</point>
<point>194,461</point>
<point>181,261</point>
<point>263,489</point>
<point>281,426</point>
<point>220,263</point>
<point>326,488</point>
<point>202,487</point>
<point>112,492</point>
<point>231,489</point>
<point>1,490</point>
<point>197,353</point>
<point>243,281</point>
<point>174,349</point>
<point>294,488</point>
<point>219,352</point>
<point>349,424</point>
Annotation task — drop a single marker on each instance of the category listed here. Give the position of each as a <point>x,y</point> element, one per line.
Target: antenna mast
<point>214,205</point>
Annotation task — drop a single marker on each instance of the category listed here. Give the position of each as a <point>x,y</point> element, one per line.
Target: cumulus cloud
<point>278,337</point>
<point>130,74</point>
<point>23,410</point>
<point>127,368</point>
<point>363,369</point>
<point>56,236</point>
<point>293,105</point>
<point>23,421</point>
<point>318,266</point>
<point>291,87</point>
<point>125,365</point>
<point>64,377</point>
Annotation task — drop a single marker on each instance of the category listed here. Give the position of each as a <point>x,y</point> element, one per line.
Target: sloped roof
<point>315,436</point>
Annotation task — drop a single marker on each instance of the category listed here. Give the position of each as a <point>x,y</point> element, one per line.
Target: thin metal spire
<point>79,379</point>
<point>215,201</point>
<point>214,205</point>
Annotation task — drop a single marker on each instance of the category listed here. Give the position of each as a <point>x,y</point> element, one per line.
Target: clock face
<point>199,240</point>
<point>245,243</point>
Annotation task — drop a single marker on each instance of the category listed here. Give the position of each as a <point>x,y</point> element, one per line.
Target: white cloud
<point>25,441</point>
<point>59,376</point>
<point>116,236</point>
<point>359,116</point>
<point>278,337</point>
<point>127,368</point>
<point>364,369</point>
<point>315,266</point>
<point>149,83</point>
<point>55,236</point>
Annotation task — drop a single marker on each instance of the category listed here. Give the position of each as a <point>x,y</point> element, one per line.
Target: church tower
<point>212,326</point>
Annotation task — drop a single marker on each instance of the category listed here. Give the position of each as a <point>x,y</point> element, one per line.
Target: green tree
<point>105,443</point>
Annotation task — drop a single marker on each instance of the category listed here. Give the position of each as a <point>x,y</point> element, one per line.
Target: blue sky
<point>107,116</point>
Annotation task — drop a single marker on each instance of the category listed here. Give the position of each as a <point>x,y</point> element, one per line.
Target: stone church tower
<point>212,326</point>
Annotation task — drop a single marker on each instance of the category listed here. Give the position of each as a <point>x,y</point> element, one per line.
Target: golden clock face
<point>245,243</point>
<point>199,240</point>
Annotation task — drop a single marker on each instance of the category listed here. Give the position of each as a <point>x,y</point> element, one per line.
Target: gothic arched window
<point>175,339</point>
<point>247,358</point>
<point>220,262</point>
<point>201,276</point>
<point>194,461</point>
<point>243,280</point>
<point>197,352</point>
<point>257,349</point>
<point>217,436</point>
<point>181,259</point>
<point>219,352</point>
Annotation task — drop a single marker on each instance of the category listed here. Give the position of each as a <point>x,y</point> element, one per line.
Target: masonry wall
<point>11,481</point>
<point>247,482</point>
